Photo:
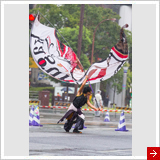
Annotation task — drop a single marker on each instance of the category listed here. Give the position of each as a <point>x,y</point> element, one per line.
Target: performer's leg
<point>79,123</point>
<point>68,125</point>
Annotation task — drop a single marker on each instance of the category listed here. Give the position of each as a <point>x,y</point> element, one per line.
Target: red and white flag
<point>60,62</point>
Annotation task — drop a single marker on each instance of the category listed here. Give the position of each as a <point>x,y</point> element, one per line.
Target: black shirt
<point>79,101</point>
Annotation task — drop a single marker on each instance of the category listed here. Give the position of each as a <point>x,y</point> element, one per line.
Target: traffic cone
<point>122,124</point>
<point>31,115</point>
<point>36,119</point>
<point>107,119</point>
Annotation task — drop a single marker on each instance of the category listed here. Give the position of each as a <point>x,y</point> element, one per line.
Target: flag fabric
<point>59,61</point>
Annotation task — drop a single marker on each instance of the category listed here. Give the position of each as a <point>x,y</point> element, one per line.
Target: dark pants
<point>74,117</point>
<point>79,124</point>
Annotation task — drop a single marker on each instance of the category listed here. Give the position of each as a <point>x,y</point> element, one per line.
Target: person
<point>74,113</point>
<point>106,100</point>
<point>98,103</point>
<point>58,94</point>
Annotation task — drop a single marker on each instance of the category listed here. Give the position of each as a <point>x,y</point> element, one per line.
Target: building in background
<point>125,13</point>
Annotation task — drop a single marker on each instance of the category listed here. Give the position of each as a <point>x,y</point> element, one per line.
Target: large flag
<point>60,62</point>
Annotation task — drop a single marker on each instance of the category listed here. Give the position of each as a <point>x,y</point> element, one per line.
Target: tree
<point>65,18</point>
<point>50,11</point>
<point>105,34</point>
<point>68,15</point>
<point>116,81</point>
<point>71,36</point>
<point>85,61</point>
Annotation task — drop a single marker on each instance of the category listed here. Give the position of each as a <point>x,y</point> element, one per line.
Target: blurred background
<point>67,19</point>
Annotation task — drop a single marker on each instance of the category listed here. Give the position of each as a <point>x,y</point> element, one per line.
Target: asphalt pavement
<point>51,116</point>
<point>98,139</point>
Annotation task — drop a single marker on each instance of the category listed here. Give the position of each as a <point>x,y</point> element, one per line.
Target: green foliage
<point>117,79</point>
<point>41,89</point>
<point>68,15</point>
<point>38,89</point>
<point>129,79</point>
<point>52,12</point>
<point>85,61</point>
<point>71,36</point>
<point>93,15</point>
<point>107,32</point>
<point>105,39</point>
<point>66,18</point>
<point>71,14</point>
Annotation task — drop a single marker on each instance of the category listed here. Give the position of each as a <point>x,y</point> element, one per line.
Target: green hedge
<point>51,89</point>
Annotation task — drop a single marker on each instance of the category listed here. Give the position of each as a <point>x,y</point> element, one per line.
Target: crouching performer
<point>74,113</point>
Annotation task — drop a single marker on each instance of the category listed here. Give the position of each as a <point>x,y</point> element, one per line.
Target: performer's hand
<point>97,109</point>
<point>86,76</point>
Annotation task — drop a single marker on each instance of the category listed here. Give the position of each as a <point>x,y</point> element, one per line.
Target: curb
<point>91,123</point>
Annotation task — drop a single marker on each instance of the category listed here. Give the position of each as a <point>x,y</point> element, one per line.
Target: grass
<point>40,88</point>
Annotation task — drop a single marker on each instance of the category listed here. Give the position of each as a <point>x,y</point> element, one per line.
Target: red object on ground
<point>153,153</point>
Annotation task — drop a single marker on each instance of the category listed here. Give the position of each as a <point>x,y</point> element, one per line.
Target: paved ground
<point>53,115</point>
<point>52,140</point>
<point>99,139</point>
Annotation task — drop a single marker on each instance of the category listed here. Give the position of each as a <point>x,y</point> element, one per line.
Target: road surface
<point>52,140</point>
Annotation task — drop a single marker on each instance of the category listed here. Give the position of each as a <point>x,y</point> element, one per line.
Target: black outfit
<point>72,116</point>
<point>79,101</point>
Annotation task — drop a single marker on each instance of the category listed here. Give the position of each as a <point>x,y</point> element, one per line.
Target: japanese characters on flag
<point>59,61</point>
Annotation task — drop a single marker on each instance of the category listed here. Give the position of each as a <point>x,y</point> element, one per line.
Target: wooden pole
<point>80,40</point>
<point>113,19</point>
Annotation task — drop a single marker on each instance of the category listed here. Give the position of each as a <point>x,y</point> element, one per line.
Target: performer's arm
<point>93,107</point>
<point>82,86</point>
